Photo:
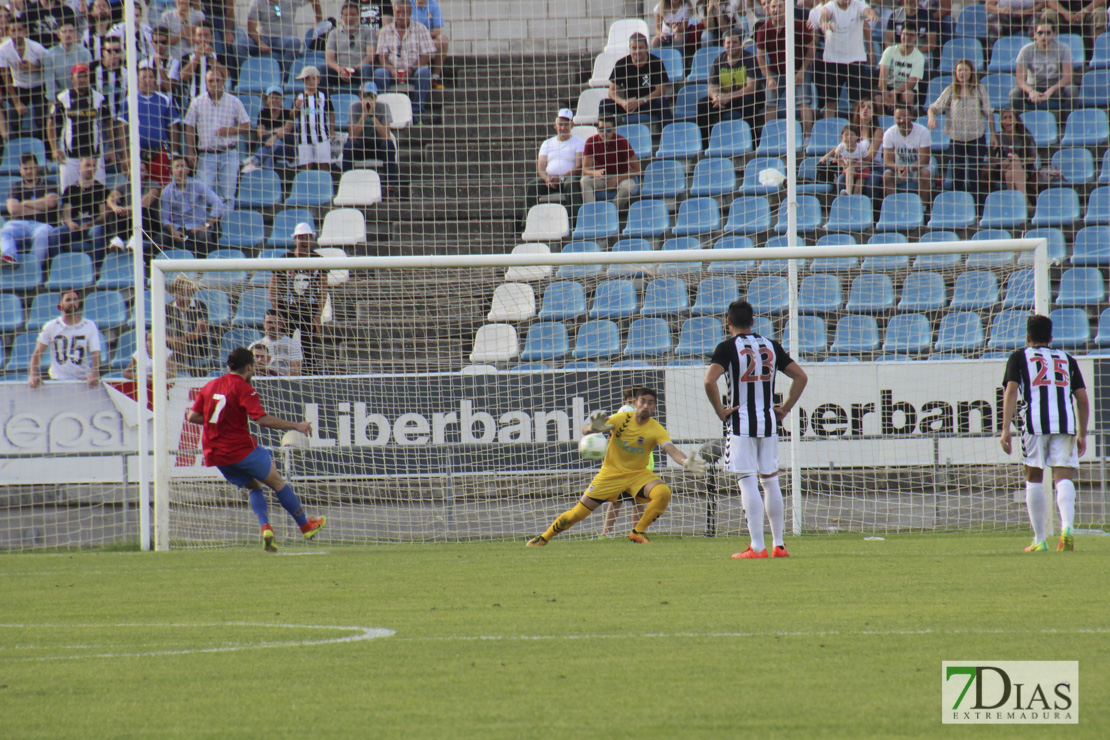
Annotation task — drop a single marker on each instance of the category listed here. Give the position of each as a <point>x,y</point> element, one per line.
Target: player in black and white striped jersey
<point>1053,429</point>
<point>749,362</point>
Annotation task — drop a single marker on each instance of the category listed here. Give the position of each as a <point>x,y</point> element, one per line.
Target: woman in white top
<point>679,24</point>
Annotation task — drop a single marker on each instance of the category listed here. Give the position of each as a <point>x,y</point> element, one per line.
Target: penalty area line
<point>763,634</point>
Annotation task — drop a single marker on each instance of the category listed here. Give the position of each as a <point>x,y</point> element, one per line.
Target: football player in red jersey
<point>222,408</point>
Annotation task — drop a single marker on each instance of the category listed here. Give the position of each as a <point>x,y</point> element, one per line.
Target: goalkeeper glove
<point>598,422</point>
<point>695,465</point>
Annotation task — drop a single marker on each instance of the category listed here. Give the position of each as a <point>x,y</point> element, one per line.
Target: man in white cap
<point>299,297</point>
<point>558,166</point>
<point>315,121</point>
<point>370,138</point>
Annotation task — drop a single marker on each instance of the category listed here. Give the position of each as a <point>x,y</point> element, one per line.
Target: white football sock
<point>753,508</point>
<point>772,500</point>
<point>1038,509</point>
<point>1065,500</point>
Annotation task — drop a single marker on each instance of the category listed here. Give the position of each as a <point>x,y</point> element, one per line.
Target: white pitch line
<point>748,635</point>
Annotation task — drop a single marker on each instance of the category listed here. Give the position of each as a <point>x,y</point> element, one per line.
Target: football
<point>293,438</point>
<point>593,446</point>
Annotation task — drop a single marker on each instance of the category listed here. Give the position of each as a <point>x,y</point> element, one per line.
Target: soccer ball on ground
<point>593,446</point>
<point>293,438</point>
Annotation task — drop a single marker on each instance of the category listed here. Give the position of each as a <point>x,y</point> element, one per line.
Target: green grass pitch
<point>583,638</point>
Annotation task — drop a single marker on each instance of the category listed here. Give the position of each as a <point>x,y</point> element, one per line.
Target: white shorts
<point>746,455</point>
<point>1049,451</point>
<point>314,153</point>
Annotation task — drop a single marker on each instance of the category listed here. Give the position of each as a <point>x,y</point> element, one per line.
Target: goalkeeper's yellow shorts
<point>608,486</point>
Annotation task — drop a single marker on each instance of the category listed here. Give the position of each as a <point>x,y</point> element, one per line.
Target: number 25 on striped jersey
<point>1060,377</point>
<point>759,367</point>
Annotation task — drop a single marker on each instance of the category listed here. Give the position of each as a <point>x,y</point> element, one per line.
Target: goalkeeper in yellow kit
<point>634,434</point>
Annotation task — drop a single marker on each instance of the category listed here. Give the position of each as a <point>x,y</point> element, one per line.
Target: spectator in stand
<point>1044,73</point>
<point>851,155</point>
<point>220,16</point>
<point>405,50</point>
<point>191,211</point>
<point>275,130</point>
<point>847,56</point>
<point>270,30</point>
<point>162,60</point>
<point>213,125</point>
<point>679,24</point>
<point>180,21</point>
<point>314,123</point>
<point>871,134</point>
<point>638,84</point>
<point>144,34</point>
<point>45,19</point>
<point>99,23</point>
<point>187,330</point>
<point>609,163</point>
<point>286,357</point>
<point>191,72</point>
<point>79,127</point>
<point>913,13</point>
<point>300,296</point>
<point>32,208</point>
<point>1013,17</point>
<point>901,69</point>
<point>68,52</point>
<point>725,15</point>
<point>428,14</point>
<point>26,63</point>
<point>131,372</point>
<point>159,121</point>
<point>906,150</point>
<point>349,50</point>
<point>1085,18</point>
<point>558,166</point>
<point>119,228</point>
<point>74,342</point>
<point>735,89</point>
<point>369,137</point>
<point>84,213</point>
<point>770,44</point>
<point>1014,152</point>
<point>969,118</point>
<point>108,76</point>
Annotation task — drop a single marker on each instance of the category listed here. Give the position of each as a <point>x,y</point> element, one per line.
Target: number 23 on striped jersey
<point>1060,377</point>
<point>759,366</point>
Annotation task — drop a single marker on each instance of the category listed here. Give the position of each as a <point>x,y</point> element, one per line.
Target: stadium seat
<point>107,309</point>
<point>820,293</point>
<point>512,302</point>
<point>1076,165</point>
<point>1077,48</point>
<point>597,340</point>
<point>681,140</point>
<point>923,291</point>
<point>886,262</point>
<point>813,336</point>
<point>686,104</point>
<point>713,177</point>
<point>982,260</point>
<point>1041,125</point>
<point>697,216</point>
<point>1091,247</point>
<point>854,334</point>
<point>749,214</point>
<point>1094,91</point>
<point>260,278</point>
<point>936,86</point>
<point>871,292</point>
<point>960,331</point>
<point>850,213</point>
<point>952,210</point>
<point>1098,207</point>
<point>256,74</point>
<point>70,271</point>
<point>243,229</point>
<point>1100,53</point>
<point>1056,207</point>
<point>639,138</point>
<point>497,342</point>
<point>772,138</point>
<point>620,30</point>
<point>901,212</point>
<point>699,336</point>
<point>672,62</point>
<point>1102,338</point>
<point>1081,286</point>
<point>702,61</point>
<point>678,269</point>
<point>343,227</point>
<point>614,299</point>
<point>808,177</point>
<point>19,360</point>
<point>281,232</point>
<point>217,304</point>
<point>11,314</point>
<point>529,273</point>
<point>631,269</point>
<point>1019,290</point>
<point>751,184</point>
<point>546,222</point>
<point>120,356</point>
<point>252,308</point>
<point>16,148</point>
<point>975,290</point>
<point>530,367</point>
<point>825,135</point>
<point>715,293</point>
<point>597,220</point>
<point>960,47</point>
<point>768,294</point>
<point>907,333</point>
<point>563,301</point>
<point>226,278</point>
<point>293,86</point>
<point>648,337</point>
<point>665,297</point>
<point>938,140</point>
<point>357,189</point>
<point>259,189</point>
<point>574,272</point>
<point>732,267</point>
<point>589,103</point>
<point>400,109</point>
<point>1004,209</point>
<point>1057,249</point>
<point>1004,53</point>
<point>579,365</point>
<point>341,103</point>
<point>972,22</point>
<point>664,179</point>
<point>1071,328</point>
<point>311,188</point>
<point>648,219</point>
<point>730,139</point>
<point>546,340</point>
<point>603,67</point>
<point>1007,330</point>
<point>809,215</point>
<point>998,89</point>
<point>1086,127</point>
<point>44,307</point>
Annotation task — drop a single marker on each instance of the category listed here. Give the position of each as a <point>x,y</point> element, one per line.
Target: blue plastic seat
<point>597,340</point>
<point>901,212</point>
<point>574,272</point>
<point>1102,338</point>
<point>686,104</point>
<point>699,336</point>
<point>227,278</point>
<point>960,47</point>
<point>972,22</point>
<point>923,291</point>
<point>648,337</point>
<point>713,176</point>
<point>1094,90</point>
<point>1091,247</point>
<point>1007,330</point>
<point>1056,207</point>
<point>311,188</point>
<point>546,340</point>
<point>809,215</point>
<point>614,299</point>
<point>1098,207</point>
<point>597,220</point>
<point>27,276</point>
<point>1019,290</point>
<point>1086,127</point>
<point>732,267</point>
<point>768,294</point>
<point>648,219</point>
<point>702,61</point>
<point>665,297</point>
<point>19,361</point>
<point>563,301</point>
<point>1076,165</point>
<point>813,336</point>
<point>256,74</point>
<point>825,135</point>
<point>981,260</point>
<point>260,278</point>
<point>953,209</point>
<point>1004,209</point>
<point>259,189</point>
<point>242,230</point>
<point>217,304</point>
<point>677,269</point>
<point>281,232</point>
<point>664,179</point>
<point>1041,125</point>
<point>750,185</point>
<point>70,271</point>
<point>960,331</point>
<point>1081,286</point>
<point>240,336</point>
<point>639,138</point>
<point>697,216</point>
<point>631,269</point>
<point>715,294</point>
<point>730,139</point>
<point>44,307</point>
<point>936,86</point>
<point>1057,249</point>
<point>749,214</point>
<point>855,333</point>
<point>907,333</point>
<point>820,293</point>
<point>772,138</point>
<point>1071,329</point>
<point>672,62</point>
<point>807,177</point>
<point>120,356</point>
<point>11,314</point>
<point>1100,53</point>
<point>292,85</point>
<point>681,140</point>
<point>15,149</point>
<point>252,308</point>
<point>998,89</point>
<point>835,264</point>
<point>107,309</point>
<point>341,104</point>
<point>871,292</point>
<point>1004,53</point>
<point>117,272</point>
<point>850,213</point>
<point>975,290</point>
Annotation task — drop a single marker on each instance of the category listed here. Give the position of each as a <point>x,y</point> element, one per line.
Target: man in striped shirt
<point>1053,430</point>
<point>748,362</point>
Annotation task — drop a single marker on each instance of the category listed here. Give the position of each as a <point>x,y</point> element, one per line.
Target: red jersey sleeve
<point>248,398</point>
